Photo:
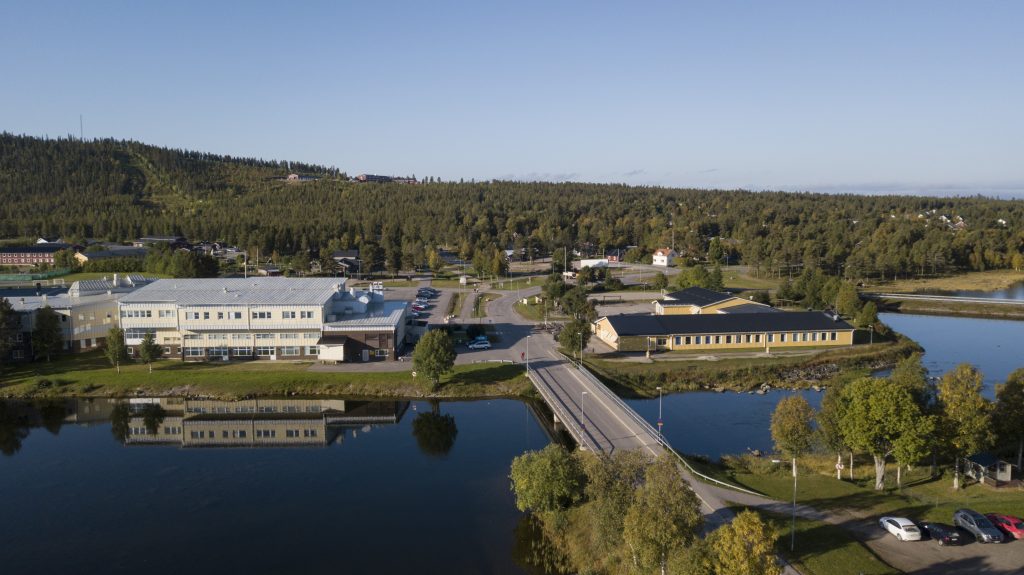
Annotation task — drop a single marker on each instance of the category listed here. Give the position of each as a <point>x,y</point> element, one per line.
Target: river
<point>356,498</point>
<point>342,485</point>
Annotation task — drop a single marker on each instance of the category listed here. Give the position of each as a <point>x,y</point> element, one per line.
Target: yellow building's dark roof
<point>663,325</point>
<point>697,296</point>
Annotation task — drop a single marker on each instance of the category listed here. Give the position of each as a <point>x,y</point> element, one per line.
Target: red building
<point>30,255</point>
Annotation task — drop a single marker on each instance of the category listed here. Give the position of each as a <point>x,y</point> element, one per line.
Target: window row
<point>751,338</point>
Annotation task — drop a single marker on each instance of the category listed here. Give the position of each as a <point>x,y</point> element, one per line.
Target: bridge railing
<point>646,426</point>
<point>564,415</point>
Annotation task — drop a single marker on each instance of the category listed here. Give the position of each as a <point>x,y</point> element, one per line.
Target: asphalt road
<point>609,428</point>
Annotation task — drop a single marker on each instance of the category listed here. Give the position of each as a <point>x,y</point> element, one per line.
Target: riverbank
<point>750,373</point>
<point>951,308</point>
<point>992,280</point>
<point>90,374</point>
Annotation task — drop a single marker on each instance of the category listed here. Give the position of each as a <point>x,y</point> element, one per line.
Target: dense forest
<point>119,190</point>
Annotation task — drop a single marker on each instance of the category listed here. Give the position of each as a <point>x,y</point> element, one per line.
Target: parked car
<point>418,308</point>
<point>478,344</point>
<point>903,528</point>
<point>942,533</point>
<point>1008,524</point>
<point>976,524</point>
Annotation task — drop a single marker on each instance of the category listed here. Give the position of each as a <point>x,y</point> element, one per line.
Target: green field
<point>740,277</point>
<point>517,283</point>
<point>823,549</point>
<point>977,281</point>
<point>921,498</point>
<point>91,374</point>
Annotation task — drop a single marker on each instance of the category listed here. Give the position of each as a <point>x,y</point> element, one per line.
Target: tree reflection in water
<point>534,552</point>
<point>435,432</point>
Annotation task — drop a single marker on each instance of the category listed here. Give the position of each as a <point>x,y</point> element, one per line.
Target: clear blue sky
<point>849,96</point>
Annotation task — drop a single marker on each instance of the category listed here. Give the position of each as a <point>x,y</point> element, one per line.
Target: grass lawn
<point>739,277</point>
<point>91,374</point>
<point>979,281</point>
<point>823,549</point>
<point>455,304</point>
<point>742,373</point>
<point>452,283</point>
<point>967,309</point>
<point>535,312</point>
<point>517,283</point>
<point>481,301</point>
<point>396,283</point>
<point>922,497</point>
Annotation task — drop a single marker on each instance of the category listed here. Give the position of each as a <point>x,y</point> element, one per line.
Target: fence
<point>33,277</point>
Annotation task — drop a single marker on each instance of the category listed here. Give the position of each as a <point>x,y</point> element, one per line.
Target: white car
<point>903,528</point>
<point>479,344</point>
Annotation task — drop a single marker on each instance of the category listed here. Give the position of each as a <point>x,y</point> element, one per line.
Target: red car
<point>1012,526</point>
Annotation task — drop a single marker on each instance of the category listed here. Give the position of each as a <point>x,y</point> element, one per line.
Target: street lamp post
<point>528,353</point>
<point>580,334</point>
<point>660,422</point>
<point>792,524</point>
<point>871,334</point>
<point>583,424</point>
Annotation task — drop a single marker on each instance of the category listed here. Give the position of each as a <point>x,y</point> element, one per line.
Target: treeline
<point>907,419</point>
<point>159,260</point>
<point>628,513</point>
<point>117,190</point>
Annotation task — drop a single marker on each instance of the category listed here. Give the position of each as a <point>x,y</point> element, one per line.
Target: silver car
<point>978,525</point>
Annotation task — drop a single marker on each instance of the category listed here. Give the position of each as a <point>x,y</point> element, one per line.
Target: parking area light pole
<point>792,524</point>
<point>583,425</point>
<point>528,354</point>
<point>660,423</point>
<point>581,349</point>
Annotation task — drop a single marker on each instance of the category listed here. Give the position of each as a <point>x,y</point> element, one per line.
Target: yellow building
<point>695,301</point>
<point>737,331</point>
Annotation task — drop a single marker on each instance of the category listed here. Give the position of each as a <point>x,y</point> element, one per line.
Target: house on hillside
<point>347,261</point>
<point>664,257</point>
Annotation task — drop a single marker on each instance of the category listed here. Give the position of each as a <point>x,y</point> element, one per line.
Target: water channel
<point>330,485</point>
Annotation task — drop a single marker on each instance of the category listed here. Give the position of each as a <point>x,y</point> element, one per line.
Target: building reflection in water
<point>203,422</point>
<point>254,422</point>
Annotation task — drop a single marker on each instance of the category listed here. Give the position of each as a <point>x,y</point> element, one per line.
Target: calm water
<point>1015,291</point>
<point>714,424</point>
<point>994,346</point>
<point>357,498</point>
<point>345,486</point>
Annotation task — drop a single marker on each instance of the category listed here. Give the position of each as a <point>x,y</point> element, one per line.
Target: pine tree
<point>47,337</point>
<point>150,350</point>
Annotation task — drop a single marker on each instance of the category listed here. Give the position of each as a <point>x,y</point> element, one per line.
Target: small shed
<point>987,467</point>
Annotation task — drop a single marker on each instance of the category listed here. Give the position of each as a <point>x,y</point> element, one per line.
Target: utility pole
<point>660,423</point>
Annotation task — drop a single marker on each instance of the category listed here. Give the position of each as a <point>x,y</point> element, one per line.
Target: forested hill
<point>117,190</point>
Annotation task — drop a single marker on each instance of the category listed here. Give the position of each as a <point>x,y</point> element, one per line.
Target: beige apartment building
<point>264,318</point>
